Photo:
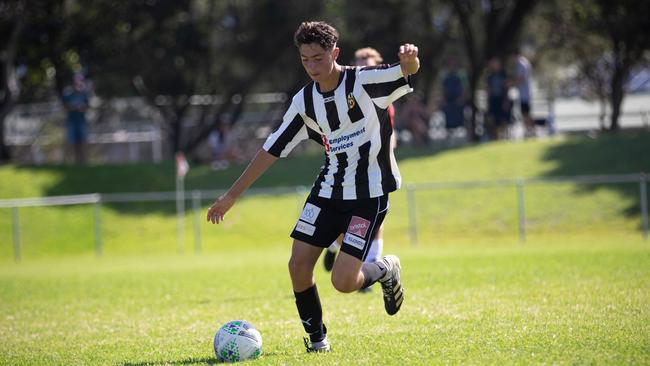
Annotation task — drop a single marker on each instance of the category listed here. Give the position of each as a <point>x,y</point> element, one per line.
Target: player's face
<point>318,62</point>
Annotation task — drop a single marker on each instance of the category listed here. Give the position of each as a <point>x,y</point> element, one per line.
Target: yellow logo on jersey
<point>351,101</point>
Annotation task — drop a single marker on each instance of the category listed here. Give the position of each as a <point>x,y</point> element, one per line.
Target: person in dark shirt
<point>499,105</point>
<point>76,100</point>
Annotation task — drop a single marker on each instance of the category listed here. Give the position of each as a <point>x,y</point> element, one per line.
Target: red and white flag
<point>182,167</point>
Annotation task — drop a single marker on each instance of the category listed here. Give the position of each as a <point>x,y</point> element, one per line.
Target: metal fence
<point>520,184</point>
<point>197,197</point>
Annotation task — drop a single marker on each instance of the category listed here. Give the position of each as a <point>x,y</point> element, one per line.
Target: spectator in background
<point>415,117</point>
<point>454,95</point>
<point>499,105</point>
<point>76,100</point>
<point>523,75</point>
<point>222,146</point>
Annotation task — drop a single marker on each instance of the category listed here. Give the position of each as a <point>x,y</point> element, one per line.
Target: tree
<point>165,51</point>
<point>489,29</point>
<point>605,40</point>
<point>185,48</point>
<point>11,26</point>
<point>627,28</point>
<point>563,45</point>
<point>39,53</point>
<point>387,24</point>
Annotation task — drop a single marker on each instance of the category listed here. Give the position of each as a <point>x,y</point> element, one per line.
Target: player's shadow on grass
<point>192,361</point>
<point>188,361</point>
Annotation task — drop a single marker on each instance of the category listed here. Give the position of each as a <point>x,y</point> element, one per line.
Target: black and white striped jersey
<point>353,125</point>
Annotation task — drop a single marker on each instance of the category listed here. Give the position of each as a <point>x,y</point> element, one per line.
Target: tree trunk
<point>176,123</point>
<point>617,95</point>
<point>5,153</point>
<point>602,101</point>
<point>618,78</point>
<point>10,82</point>
<point>474,76</point>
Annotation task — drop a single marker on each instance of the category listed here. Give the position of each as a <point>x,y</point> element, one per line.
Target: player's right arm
<point>260,163</point>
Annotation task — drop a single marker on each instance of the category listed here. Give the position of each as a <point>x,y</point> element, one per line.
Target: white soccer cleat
<point>322,346</point>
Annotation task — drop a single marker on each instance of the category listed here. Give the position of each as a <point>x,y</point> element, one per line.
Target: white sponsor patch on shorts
<point>310,213</point>
<point>354,240</point>
<point>305,228</point>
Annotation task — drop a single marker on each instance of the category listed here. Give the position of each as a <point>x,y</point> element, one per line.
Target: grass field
<point>543,303</point>
<point>577,292</point>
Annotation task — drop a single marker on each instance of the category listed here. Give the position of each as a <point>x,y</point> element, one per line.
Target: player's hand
<point>220,207</point>
<point>408,58</point>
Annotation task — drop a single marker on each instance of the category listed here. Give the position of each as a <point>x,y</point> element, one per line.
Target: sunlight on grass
<point>557,303</point>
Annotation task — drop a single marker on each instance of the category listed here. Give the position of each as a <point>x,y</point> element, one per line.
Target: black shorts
<point>323,220</point>
<point>525,108</point>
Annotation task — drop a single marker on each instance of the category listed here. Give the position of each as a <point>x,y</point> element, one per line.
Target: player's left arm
<point>408,59</point>
<point>386,83</point>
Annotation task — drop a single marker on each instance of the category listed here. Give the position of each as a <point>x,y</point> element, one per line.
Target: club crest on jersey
<point>351,101</point>
<point>358,226</point>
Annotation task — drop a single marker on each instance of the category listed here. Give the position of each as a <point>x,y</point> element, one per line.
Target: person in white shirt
<point>523,75</point>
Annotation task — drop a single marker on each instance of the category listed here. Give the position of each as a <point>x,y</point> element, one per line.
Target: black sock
<point>311,313</point>
<point>372,272</point>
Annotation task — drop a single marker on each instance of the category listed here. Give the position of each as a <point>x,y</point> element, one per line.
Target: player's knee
<point>297,267</point>
<point>343,283</point>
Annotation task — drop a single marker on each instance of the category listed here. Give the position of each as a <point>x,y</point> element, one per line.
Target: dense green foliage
<point>168,51</point>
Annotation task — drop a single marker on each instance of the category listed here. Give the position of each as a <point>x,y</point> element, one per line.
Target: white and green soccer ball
<point>237,340</point>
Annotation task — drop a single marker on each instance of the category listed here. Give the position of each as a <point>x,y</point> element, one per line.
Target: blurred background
<point>168,76</point>
<point>98,98</point>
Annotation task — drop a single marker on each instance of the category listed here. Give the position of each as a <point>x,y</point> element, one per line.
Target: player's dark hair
<point>316,32</point>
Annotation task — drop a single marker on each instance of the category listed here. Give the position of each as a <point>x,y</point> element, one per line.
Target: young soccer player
<point>346,109</point>
<point>366,56</point>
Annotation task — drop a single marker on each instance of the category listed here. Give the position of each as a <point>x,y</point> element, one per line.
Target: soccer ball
<point>237,340</point>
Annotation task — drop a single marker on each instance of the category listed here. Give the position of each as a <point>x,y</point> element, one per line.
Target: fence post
<point>98,226</point>
<point>180,214</point>
<point>16,233</point>
<point>196,205</point>
<point>643,186</point>
<point>522,211</point>
<point>413,230</point>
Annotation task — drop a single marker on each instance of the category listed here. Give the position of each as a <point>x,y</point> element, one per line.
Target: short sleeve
<point>288,135</point>
<point>384,83</point>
